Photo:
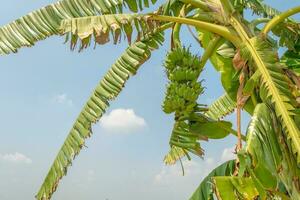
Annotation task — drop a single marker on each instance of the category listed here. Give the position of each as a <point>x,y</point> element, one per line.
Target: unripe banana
<point>183,90</point>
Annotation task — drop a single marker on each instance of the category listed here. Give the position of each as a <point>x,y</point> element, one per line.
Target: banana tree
<point>256,79</point>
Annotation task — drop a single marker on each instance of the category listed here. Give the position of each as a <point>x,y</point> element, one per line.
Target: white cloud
<point>63,99</point>
<point>228,154</point>
<point>15,158</point>
<point>122,120</point>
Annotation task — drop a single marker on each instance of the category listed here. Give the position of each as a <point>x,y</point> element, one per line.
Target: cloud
<point>228,154</point>
<point>15,158</point>
<point>63,99</point>
<point>122,120</point>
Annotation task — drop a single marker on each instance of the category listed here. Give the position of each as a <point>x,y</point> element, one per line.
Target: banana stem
<point>239,135</point>
<point>240,104</point>
<point>254,23</point>
<point>209,50</point>
<point>176,30</point>
<point>258,21</point>
<point>165,26</point>
<point>176,35</point>
<point>235,133</point>
<point>223,31</point>
<point>279,18</point>
<point>232,131</point>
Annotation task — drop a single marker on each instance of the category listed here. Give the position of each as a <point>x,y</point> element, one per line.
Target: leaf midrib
<point>289,124</point>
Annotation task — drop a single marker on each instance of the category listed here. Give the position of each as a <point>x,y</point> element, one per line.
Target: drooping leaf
<point>274,86</point>
<point>108,89</point>
<point>263,146</point>
<point>205,189</point>
<point>42,23</point>
<point>189,131</point>
<point>181,137</point>
<point>101,26</point>
<point>267,154</point>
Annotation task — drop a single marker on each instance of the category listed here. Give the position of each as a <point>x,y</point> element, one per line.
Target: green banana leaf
<point>230,188</point>
<point>205,189</point>
<point>212,129</point>
<point>221,60</point>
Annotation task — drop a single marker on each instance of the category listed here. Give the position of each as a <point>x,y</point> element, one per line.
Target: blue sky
<point>43,89</point>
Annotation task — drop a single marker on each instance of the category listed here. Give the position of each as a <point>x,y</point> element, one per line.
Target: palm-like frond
<point>46,21</point>
<point>275,84</point>
<point>101,26</point>
<point>221,107</point>
<point>205,189</point>
<point>109,87</point>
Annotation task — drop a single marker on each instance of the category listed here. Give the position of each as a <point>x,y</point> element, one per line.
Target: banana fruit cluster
<point>182,69</point>
<point>183,90</point>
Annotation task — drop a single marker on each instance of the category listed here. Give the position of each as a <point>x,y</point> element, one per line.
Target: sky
<point>42,91</point>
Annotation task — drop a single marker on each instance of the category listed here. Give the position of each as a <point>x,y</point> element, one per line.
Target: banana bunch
<point>181,75</point>
<point>191,124</point>
<point>182,69</point>
<point>181,96</point>
<point>183,90</point>
<point>182,66</point>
